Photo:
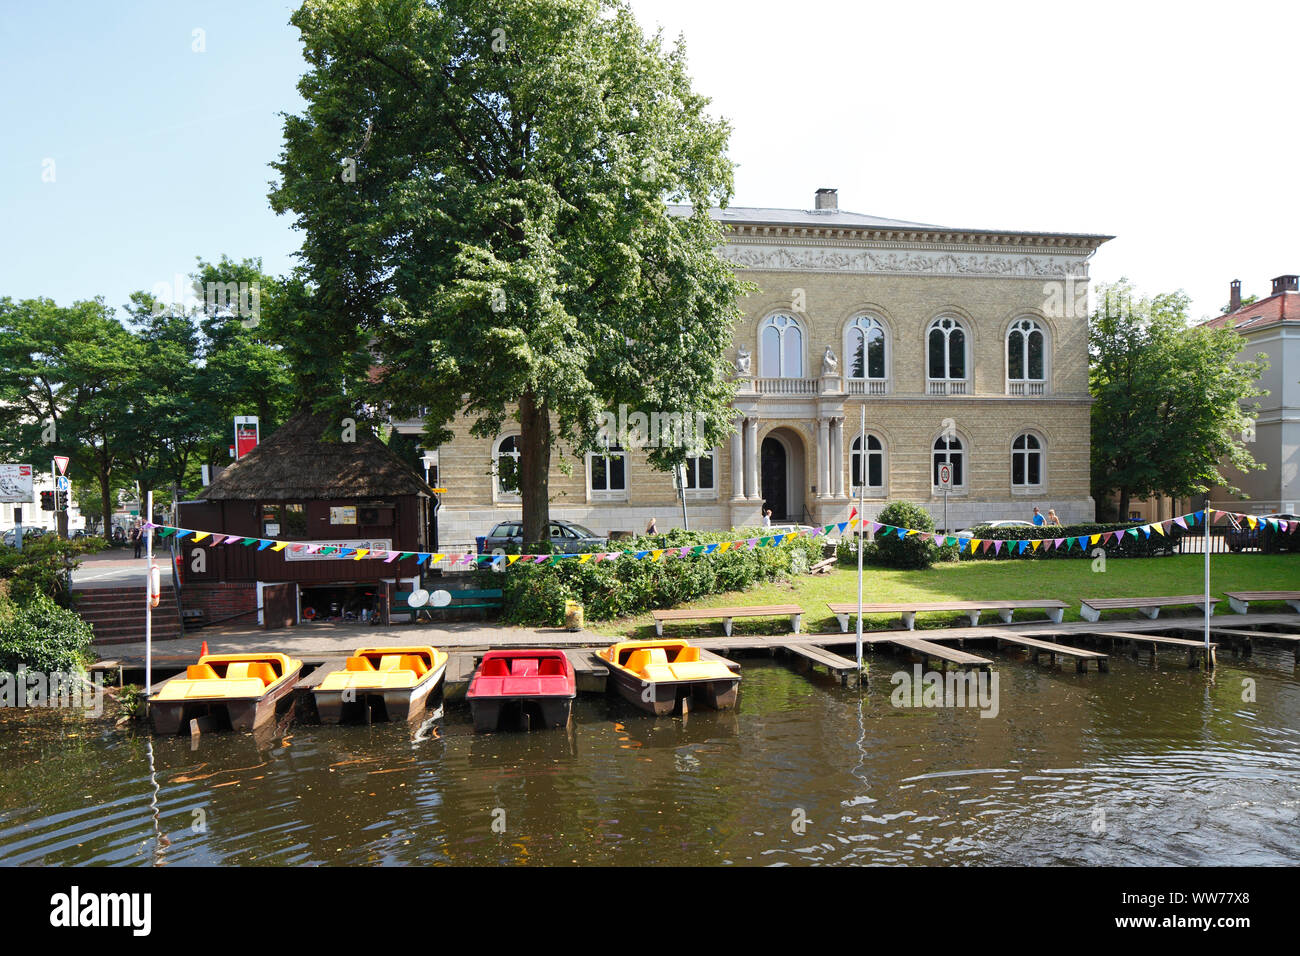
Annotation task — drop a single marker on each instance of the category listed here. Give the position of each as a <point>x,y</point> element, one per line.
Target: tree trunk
<point>104,495</point>
<point>534,469</point>
<point>1123,504</point>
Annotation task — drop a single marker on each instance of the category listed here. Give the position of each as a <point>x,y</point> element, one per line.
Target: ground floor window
<point>1026,461</point>
<point>607,474</point>
<point>700,473</point>
<point>506,462</point>
<point>949,451</point>
<point>871,465</point>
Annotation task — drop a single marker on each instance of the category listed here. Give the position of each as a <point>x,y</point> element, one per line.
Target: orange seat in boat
<point>390,662</point>
<point>415,663</point>
<point>200,672</point>
<point>360,664</point>
<point>255,670</point>
<point>646,657</point>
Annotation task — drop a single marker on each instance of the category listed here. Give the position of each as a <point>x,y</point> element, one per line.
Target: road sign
<point>16,483</point>
<point>61,462</point>
<point>945,477</point>
<point>62,483</point>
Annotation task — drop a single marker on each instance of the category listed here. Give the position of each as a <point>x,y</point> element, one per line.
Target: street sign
<point>945,477</point>
<point>16,483</point>
<point>61,461</point>
<point>62,483</point>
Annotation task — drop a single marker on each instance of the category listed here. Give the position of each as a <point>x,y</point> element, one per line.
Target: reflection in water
<point>1142,765</point>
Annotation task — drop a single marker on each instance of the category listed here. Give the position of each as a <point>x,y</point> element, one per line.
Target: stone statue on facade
<point>829,362</point>
<point>742,361</point>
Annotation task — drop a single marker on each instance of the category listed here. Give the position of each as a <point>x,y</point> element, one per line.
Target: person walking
<point>767,518</point>
<point>1038,517</point>
<point>1051,517</point>
<point>137,539</point>
<point>650,527</point>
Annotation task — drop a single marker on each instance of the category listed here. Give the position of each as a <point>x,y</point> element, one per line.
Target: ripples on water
<point>1138,766</point>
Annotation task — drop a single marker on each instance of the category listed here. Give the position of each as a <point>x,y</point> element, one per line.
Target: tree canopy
<point>483,193</point>
<point>1170,400</point>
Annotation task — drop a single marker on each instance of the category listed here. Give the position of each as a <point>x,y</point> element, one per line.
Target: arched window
<point>865,348</point>
<point>946,351</point>
<point>950,451</point>
<point>506,461</point>
<point>780,348</point>
<point>1026,461</point>
<point>873,467</point>
<point>1026,354</point>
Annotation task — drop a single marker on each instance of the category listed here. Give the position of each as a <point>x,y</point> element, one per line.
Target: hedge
<point>42,636</point>
<point>536,593</point>
<point>889,550</point>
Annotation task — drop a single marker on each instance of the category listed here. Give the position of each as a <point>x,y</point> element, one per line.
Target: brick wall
<point>218,600</point>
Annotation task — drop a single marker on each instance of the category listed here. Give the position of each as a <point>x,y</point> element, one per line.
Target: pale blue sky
<point>1172,126</point>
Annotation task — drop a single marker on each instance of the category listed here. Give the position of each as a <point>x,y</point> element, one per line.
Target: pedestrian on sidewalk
<point>137,538</point>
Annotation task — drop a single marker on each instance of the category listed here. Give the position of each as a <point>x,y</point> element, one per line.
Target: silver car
<point>568,538</point>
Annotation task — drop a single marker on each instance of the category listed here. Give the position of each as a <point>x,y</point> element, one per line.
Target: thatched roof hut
<point>305,458</point>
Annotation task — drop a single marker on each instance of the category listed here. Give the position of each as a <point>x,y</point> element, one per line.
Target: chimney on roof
<point>1234,295</point>
<point>828,199</point>
<point>1286,284</point>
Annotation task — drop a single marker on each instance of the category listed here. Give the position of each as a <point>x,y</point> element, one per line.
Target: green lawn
<point>1067,580</point>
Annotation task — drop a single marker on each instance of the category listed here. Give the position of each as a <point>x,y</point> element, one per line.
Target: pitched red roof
<point>1283,307</point>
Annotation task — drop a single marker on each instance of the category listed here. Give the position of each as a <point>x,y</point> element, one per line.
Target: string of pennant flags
<point>965,543</point>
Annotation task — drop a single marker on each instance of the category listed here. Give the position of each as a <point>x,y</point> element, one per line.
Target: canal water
<point>1139,766</point>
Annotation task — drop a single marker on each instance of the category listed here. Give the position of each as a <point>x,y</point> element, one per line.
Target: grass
<point>1070,581</point>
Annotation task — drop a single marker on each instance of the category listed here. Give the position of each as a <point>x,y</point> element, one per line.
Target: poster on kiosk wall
<point>245,435</point>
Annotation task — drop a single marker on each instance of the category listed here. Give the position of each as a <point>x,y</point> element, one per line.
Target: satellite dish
<point>440,598</point>
<point>418,598</point>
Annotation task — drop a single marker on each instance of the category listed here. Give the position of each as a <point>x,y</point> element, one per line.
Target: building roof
<point>839,218</point>
<point>1283,307</point>
<point>304,459</point>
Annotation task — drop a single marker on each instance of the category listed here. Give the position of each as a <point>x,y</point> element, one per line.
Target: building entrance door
<point>775,473</point>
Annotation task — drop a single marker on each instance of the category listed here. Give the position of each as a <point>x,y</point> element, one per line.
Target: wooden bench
<point>1090,608</point>
<point>1055,610</point>
<point>726,614</point>
<point>1240,600</point>
<point>460,600</point>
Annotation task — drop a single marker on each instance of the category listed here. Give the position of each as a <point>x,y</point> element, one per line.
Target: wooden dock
<point>845,670</point>
<point>1038,648</point>
<point>1195,649</point>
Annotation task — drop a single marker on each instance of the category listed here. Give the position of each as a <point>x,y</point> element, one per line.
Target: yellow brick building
<point>966,348</point>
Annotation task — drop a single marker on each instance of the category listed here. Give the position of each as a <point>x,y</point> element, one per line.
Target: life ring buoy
<point>309,613</point>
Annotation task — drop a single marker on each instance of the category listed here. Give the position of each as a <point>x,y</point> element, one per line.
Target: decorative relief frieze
<point>775,258</point>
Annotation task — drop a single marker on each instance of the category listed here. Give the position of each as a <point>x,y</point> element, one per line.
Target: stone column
<point>752,489</point>
<point>823,458</point>
<point>738,462</point>
<point>837,457</point>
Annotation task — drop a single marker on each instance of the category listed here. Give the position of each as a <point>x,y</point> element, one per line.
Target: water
<point>1139,766</point>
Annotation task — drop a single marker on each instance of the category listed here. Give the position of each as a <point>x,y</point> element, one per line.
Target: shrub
<point>535,593</point>
<point>1130,546</point>
<point>42,636</point>
<point>43,566</point>
<point>912,551</point>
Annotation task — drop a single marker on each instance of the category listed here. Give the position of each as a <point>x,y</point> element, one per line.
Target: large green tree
<point>1170,400</point>
<point>483,190</point>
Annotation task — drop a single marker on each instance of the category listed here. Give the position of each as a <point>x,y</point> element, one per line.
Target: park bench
<point>461,599</point>
<point>1055,610</point>
<point>726,614</point>
<point>1240,600</point>
<point>1090,608</point>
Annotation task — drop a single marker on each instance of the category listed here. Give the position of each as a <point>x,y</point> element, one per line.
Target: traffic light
<point>47,501</point>
<point>62,498</point>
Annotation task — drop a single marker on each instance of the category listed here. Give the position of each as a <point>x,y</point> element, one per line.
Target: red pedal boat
<point>528,688</point>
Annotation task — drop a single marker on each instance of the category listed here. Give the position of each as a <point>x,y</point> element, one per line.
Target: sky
<point>135,136</point>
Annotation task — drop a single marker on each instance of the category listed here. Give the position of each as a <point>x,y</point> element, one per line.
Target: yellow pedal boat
<point>401,677</point>
<point>239,689</point>
<point>664,676</point>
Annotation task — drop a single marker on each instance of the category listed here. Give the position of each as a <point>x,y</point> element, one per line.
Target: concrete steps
<point>117,615</point>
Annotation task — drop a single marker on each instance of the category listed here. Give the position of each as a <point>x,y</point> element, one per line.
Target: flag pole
<point>862,502</point>
<point>148,598</point>
<point>1207,581</point>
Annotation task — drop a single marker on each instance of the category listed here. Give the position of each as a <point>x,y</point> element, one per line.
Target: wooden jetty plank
<point>840,667</point>
<point>1264,635</point>
<point>319,673</point>
<point>1081,656</point>
<point>941,652</point>
<point>1195,649</point>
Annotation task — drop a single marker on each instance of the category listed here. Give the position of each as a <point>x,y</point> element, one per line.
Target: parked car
<point>1241,535</point>
<point>1015,523</point>
<point>568,537</point>
<point>28,535</point>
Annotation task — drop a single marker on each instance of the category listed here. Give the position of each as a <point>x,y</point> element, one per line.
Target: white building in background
<point>33,516</point>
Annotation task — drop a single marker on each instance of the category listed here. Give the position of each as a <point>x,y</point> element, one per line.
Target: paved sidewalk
<point>315,642</point>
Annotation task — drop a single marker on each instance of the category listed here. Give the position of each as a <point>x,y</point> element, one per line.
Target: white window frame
<point>963,450</point>
<point>618,494</point>
<point>871,491</point>
<point>1040,451</point>
<point>947,385</point>
<point>1026,385</point>
<point>698,492</point>
<point>789,321</point>
<point>497,493</point>
<point>867,383</point>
